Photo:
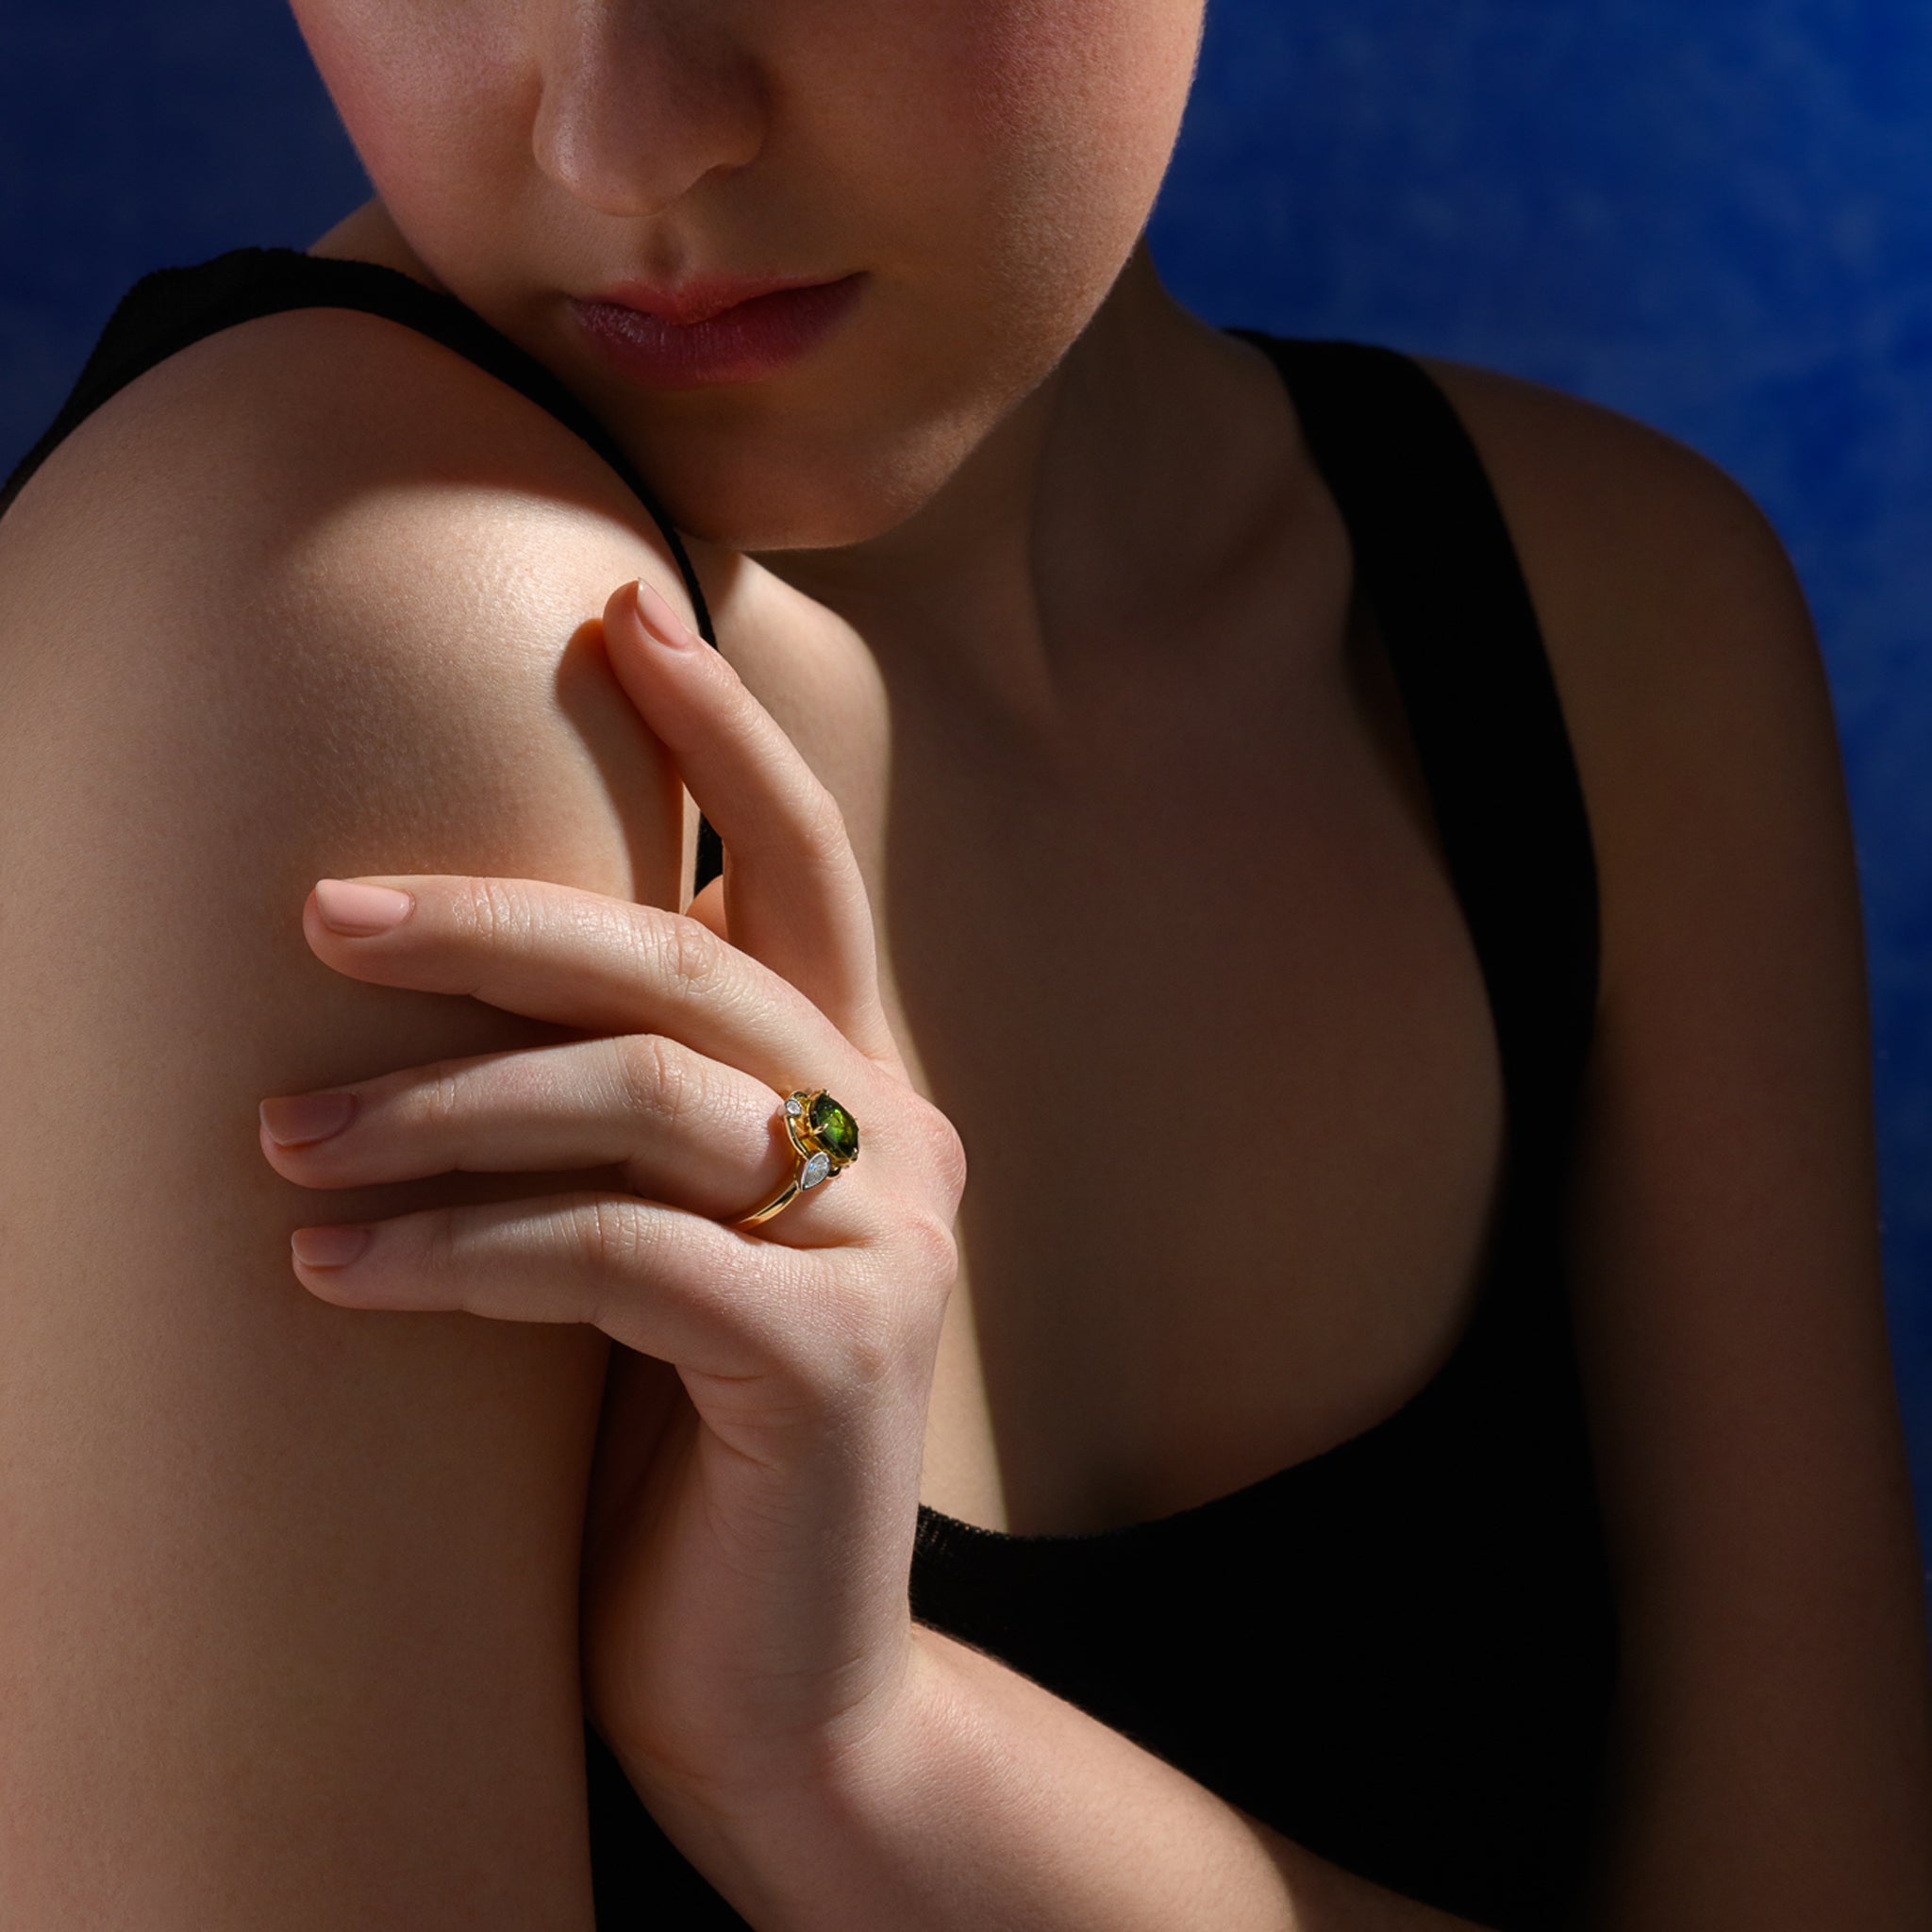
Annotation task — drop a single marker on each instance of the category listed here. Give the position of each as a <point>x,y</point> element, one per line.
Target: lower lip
<point>745,342</point>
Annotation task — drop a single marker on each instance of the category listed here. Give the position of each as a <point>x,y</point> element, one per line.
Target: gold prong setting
<point>823,1134</point>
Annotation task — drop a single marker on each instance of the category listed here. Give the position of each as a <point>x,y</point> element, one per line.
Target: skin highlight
<point>1135,569</point>
<point>952,471</point>
<point>1035,572</point>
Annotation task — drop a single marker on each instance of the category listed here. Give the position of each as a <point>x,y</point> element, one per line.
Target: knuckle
<point>932,1247</point>
<point>441,1097</point>
<point>489,910</point>
<point>897,1320</point>
<point>942,1146</point>
<point>822,852</point>
<point>661,1081</point>
<point>494,917</point>
<point>607,1240</point>
<point>857,1333</point>
<point>687,956</point>
<point>872,1331</point>
<point>824,825</point>
<point>443,1245</point>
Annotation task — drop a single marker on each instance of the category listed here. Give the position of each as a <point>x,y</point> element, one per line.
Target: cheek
<point>993,161</point>
<point>1085,91</point>
<point>413,84</point>
<point>1038,134</point>
<point>1027,154</point>
<point>1002,167</point>
<point>1089,73</point>
<point>995,166</point>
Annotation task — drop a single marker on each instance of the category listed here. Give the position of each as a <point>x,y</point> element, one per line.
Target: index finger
<point>794,899</point>
<point>574,959</point>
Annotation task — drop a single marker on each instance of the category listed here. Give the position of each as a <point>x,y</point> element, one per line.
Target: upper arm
<point>288,1592</point>
<point>1774,1724</point>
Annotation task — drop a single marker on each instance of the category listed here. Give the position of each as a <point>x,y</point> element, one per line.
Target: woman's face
<point>987,165</point>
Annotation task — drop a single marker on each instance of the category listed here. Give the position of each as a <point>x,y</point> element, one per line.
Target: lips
<point>713,332</point>
<point>698,300</point>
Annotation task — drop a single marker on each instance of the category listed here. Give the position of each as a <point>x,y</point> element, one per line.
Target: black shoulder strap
<point>1436,560</point>
<point>165,311</point>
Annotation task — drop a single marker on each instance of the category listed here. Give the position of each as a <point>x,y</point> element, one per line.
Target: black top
<point>1401,1652</point>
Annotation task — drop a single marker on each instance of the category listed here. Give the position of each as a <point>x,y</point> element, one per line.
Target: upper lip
<point>700,299</point>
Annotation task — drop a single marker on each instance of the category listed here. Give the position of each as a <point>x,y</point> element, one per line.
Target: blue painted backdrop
<point>1718,219</point>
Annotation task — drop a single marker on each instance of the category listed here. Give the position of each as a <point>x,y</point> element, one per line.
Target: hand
<point>749,1533</point>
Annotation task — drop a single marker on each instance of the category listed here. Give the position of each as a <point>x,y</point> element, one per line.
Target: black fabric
<point>1401,1654</point>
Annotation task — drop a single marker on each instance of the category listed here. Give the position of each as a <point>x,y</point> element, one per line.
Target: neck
<point>1100,513</point>
<point>1091,517</point>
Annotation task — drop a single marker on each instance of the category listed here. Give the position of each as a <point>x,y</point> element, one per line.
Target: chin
<point>788,509</point>
<point>774,522</point>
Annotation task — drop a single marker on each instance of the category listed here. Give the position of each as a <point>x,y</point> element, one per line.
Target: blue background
<point>1716,219</point>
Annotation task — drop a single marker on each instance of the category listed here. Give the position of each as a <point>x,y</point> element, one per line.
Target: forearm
<point>989,1802</point>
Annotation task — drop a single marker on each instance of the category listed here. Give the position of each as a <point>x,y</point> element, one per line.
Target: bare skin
<point>1033,569</point>
<point>1100,1366</point>
<point>1197,868</point>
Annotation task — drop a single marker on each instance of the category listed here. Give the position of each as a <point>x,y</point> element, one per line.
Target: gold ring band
<point>824,1137</point>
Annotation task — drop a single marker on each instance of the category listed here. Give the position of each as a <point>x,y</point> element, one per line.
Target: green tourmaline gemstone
<point>834,1128</point>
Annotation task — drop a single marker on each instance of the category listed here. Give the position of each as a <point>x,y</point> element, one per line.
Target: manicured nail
<point>662,622</point>
<point>306,1117</point>
<point>360,910</point>
<point>328,1247</point>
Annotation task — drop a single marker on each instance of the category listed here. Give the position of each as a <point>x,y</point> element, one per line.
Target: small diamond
<point>794,1107</point>
<point>815,1170</point>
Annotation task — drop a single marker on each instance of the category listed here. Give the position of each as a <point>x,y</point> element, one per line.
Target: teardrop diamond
<point>815,1170</point>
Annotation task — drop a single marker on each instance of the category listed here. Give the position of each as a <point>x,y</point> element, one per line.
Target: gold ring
<point>825,1138</point>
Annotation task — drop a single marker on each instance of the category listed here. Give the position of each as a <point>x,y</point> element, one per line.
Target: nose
<point>640,102</point>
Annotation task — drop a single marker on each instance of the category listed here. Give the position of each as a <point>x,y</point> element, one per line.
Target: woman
<point>1137,765</point>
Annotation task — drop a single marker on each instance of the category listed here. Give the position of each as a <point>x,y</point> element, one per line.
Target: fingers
<point>662,1281</point>
<point>795,896</point>
<point>583,960</point>
<point>683,1129</point>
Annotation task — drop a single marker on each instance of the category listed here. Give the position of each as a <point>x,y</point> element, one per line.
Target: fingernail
<point>662,622</point>
<point>360,910</point>
<point>328,1247</point>
<point>306,1117</point>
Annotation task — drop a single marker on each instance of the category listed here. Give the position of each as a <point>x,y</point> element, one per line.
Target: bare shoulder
<point>354,536</point>
<point>1677,631</point>
<point>292,1597</point>
<point>1774,1740</point>
<point>1615,522</point>
<point>323,455</point>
